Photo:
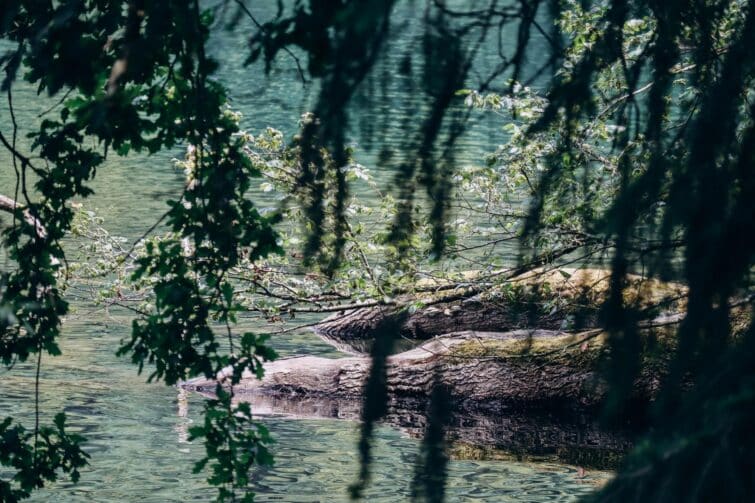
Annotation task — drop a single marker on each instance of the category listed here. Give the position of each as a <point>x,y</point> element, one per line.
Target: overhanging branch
<point>10,205</point>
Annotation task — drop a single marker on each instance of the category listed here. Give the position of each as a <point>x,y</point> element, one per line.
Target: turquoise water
<point>137,431</point>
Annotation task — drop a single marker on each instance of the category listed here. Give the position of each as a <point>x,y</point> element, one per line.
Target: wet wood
<point>484,371</point>
<point>547,300</point>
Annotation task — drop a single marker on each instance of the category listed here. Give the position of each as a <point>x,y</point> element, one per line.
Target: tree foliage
<point>139,79</point>
<point>630,140</point>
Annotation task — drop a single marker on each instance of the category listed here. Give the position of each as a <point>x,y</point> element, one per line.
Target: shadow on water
<point>504,435</point>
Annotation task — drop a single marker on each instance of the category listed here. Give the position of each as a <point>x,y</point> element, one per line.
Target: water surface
<point>137,431</point>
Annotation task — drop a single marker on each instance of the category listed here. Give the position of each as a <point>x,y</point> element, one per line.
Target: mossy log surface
<point>504,381</point>
<point>484,371</point>
<point>546,300</point>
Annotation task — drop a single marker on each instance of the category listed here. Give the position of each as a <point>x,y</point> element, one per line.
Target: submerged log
<point>521,370</point>
<point>549,300</point>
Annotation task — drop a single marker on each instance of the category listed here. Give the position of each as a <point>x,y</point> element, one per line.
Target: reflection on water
<point>182,427</point>
<point>326,464</point>
<point>138,433</point>
<point>509,435</point>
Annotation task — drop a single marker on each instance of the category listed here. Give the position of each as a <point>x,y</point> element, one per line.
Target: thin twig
<point>262,28</point>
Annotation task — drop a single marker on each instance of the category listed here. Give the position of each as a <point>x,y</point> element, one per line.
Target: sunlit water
<point>137,432</point>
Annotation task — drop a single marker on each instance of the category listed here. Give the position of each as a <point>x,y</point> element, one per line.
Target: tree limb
<point>10,205</point>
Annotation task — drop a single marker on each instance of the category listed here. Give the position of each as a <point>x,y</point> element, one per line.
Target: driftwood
<point>520,370</point>
<point>501,383</point>
<point>548,300</point>
<point>514,395</point>
<point>353,331</point>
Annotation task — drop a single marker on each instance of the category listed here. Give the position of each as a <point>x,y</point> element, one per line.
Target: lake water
<point>137,432</point>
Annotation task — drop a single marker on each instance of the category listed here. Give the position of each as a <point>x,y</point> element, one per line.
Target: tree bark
<point>11,206</point>
<point>352,331</point>
<point>484,372</point>
<point>515,376</point>
<point>549,300</point>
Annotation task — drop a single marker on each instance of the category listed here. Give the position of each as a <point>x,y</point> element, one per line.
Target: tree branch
<point>10,205</point>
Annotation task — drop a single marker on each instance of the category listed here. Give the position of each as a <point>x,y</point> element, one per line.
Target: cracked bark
<point>484,371</point>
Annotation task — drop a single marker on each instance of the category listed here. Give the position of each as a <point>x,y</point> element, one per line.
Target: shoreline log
<point>484,371</point>
<point>548,300</point>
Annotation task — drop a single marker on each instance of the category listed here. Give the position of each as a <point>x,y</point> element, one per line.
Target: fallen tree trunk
<point>549,300</point>
<point>514,395</point>
<point>521,370</point>
<point>353,331</point>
